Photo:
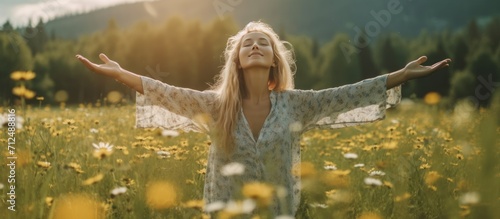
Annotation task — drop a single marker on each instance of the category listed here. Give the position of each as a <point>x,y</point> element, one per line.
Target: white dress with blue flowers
<point>271,156</point>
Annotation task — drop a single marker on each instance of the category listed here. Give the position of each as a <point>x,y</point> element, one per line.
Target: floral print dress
<point>271,156</point>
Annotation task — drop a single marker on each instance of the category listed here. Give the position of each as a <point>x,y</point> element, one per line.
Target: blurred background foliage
<point>187,52</point>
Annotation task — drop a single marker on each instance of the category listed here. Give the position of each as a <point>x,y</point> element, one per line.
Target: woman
<point>253,114</point>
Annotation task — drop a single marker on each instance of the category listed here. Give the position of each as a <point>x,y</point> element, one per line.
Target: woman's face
<point>256,51</point>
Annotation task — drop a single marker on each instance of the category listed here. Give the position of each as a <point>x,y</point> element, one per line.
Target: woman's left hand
<point>414,69</point>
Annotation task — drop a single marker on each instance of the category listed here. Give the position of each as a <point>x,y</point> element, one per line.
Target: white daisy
<point>350,156</point>
<point>377,173</point>
<point>118,191</point>
<point>103,145</point>
<point>330,167</point>
<point>372,181</point>
<point>469,198</point>
<point>359,165</point>
<point>163,154</point>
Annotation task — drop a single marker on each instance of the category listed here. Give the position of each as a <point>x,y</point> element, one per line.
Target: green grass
<point>430,158</point>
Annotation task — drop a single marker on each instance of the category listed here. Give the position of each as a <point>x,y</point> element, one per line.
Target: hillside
<point>320,19</point>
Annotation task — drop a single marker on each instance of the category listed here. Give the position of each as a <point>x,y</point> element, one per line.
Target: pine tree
<point>213,45</point>
<point>7,27</point>
<point>42,36</point>
<point>387,58</point>
<point>366,62</point>
<point>111,40</point>
<point>391,53</point>
<point>483,68</point>
<point>36,37</point>
<point>306,75</point>
<point>497,57</point>
<point>460,50</point>
<point>315,48</point>
<point>482,64</point>
<point>15,55</point>
<point>462,85</point>
<point>492,31</point>
<point>473,33</point>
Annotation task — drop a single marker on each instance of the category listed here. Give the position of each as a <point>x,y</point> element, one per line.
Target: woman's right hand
<point>110,68</point>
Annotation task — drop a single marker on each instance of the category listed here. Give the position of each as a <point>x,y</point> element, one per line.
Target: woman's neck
<point>256,83</point>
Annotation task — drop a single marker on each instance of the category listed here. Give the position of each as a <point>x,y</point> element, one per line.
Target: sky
<point>18,12</point>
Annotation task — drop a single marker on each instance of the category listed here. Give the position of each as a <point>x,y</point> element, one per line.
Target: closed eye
<point>261,41</point>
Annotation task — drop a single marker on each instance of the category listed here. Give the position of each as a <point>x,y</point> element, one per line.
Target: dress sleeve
<point>346,105</point>
<point>171,107</point>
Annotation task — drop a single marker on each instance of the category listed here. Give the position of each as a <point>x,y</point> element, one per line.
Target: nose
<point>255,46</point>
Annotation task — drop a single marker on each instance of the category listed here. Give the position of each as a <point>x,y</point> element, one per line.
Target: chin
<point>257,65</point>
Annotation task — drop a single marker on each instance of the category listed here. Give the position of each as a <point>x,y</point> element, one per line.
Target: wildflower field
<point>89,161</point>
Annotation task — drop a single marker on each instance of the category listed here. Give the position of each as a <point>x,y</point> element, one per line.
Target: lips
<point>255,53</point>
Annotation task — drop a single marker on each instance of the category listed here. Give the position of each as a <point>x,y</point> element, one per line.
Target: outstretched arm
<point>112,69</point>
<point>413,70</point>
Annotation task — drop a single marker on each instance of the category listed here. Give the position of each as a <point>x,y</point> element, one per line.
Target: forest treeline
<point>189,54</point>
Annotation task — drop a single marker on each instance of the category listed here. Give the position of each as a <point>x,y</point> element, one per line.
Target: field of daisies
<point>89,161</point>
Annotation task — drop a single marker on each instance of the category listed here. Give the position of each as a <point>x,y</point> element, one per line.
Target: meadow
<point>89,161</point>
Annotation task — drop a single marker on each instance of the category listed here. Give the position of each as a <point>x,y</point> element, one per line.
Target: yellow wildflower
<point>22,75</point>
<point>49,200</point>
<point>92,180</point>
<point>304,170</point>
<point>77,206</point>
<point>402,197</point>
<point>260,192</point>
<point>161,195</point>
<point>337,178</point>
<point>43,164</point>
<point>431,177</point>
<point>76,167</point>
<point>102,153</point>
<point>425,166</point>
<point>196,204</point>
<point>388,184</point>
<point>370,215</point>
<point>432,98</point>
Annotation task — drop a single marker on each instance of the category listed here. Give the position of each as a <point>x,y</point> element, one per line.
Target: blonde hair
<point>230,86</point>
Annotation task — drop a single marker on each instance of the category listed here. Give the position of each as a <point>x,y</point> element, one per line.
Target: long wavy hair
<point>230,86</point>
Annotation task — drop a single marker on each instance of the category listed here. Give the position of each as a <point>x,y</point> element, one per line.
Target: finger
<point>436,65</point>
<point>104,58</point>
<point>422,59</point>
<point>86,62</point>
<point>440,64</point>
